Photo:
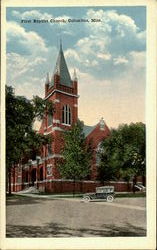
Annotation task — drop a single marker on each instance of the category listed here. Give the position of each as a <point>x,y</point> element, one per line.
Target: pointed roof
<point>88,129</point>
<point>61,69</point>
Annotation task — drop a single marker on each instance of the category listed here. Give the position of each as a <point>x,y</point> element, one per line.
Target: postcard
<point>78,109</point>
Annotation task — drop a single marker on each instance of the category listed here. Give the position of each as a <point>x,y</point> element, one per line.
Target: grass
<point>130,195</point>
<point>14,196</point>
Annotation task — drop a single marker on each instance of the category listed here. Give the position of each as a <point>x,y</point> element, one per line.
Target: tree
<point>123,153</point>
<point>76,154</point>
<point>21,139</point>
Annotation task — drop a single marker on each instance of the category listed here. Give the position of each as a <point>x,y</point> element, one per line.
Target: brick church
<point>42,172</point>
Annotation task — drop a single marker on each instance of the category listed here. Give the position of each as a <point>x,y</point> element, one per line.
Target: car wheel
<point>86,198</point>
<point>110,198</point>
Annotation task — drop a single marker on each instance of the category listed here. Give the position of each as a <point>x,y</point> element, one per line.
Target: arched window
<point>66,115</point>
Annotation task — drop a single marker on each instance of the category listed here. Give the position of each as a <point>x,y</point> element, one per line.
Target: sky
<point>109,57</point>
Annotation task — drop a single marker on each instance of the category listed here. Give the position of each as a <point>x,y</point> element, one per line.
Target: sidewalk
<point>48,196</point>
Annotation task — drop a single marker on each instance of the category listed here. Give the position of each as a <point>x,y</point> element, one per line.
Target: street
<point>34,217</point>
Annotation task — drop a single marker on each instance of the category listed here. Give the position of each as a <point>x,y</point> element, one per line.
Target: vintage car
<point>105,192</point>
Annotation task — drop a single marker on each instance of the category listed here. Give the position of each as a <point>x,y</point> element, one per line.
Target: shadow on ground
<point>59,230</point>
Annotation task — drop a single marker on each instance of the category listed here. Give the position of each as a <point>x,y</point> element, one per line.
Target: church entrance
<point>33,176</point>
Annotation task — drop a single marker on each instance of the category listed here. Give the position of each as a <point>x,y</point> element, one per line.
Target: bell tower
<point>63,92</point>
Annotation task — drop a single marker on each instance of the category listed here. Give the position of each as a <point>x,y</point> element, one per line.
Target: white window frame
<point>66,115</point>
<point>49,125</point>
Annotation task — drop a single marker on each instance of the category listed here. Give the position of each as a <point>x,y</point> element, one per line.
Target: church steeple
<point>61,44</point>
<point>61,69</point>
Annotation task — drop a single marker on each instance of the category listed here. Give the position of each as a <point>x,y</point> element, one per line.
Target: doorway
<point>33,176</point>
<point>41,174</point>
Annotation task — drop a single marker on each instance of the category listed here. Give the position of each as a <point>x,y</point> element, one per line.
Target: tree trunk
<point>74,188</point>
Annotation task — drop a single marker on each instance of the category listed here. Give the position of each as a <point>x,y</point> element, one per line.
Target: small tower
<point>47,84</point>
<point>63,92</point>
<point>102,124</point>
<point>74,76</point>
<point>75,80</point>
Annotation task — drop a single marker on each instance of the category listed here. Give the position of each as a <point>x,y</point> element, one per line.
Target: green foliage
<point>123,153</point>
<point>40,107</point>
<point>76,154</point>
<point>21,113</point>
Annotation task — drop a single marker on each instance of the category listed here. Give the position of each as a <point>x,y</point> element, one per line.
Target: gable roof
<point>88,129</point>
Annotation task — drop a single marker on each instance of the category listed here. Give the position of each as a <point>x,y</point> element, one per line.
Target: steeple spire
<point>61,68</point>
<point>61,44</point>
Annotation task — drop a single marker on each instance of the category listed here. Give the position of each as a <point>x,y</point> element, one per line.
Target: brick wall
<point>58,186</point>
<point>66,186</point>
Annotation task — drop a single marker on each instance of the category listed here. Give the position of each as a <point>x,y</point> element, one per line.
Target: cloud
<point>120,60</point>
<point>111,23</point>
<point>107,44</point>
<point>31,14</point>
<point>35,61</point>
<point>138,59</point>
<point>104,56</point>
<point>71,53</point>
<point>29,39</point>
<point>88,52</point>
<point>31,86</point>
<point>91,44</point>
<point>19,65</point>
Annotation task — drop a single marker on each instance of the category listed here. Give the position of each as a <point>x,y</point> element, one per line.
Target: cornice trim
<point>62,92</point>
